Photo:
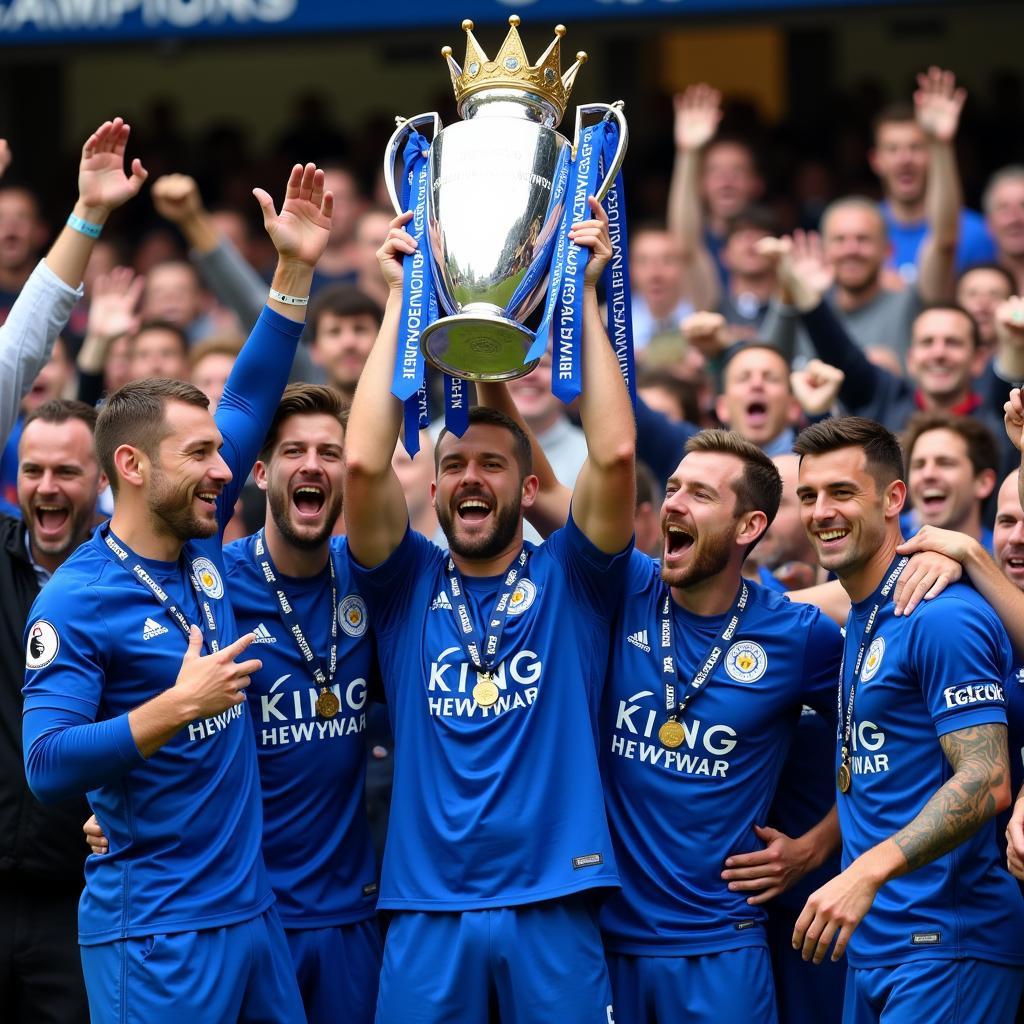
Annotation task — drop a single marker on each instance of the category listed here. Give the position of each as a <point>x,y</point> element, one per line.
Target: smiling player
<point>930,919</point>
<point>291,586</point>
<point>177,919</point>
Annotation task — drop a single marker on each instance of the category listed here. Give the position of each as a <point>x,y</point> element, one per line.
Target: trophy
<point>495,199</point>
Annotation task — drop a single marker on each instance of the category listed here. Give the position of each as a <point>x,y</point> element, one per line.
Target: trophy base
<point>478,346</point>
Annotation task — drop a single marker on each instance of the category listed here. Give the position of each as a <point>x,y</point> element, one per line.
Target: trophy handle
<point>403,127</point>
<point>609,110</point>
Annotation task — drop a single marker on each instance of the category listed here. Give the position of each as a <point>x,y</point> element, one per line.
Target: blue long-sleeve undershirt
<point>250,398</point>
<point>67,754</point>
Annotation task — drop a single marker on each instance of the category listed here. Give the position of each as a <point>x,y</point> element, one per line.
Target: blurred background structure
<point>229,90</point>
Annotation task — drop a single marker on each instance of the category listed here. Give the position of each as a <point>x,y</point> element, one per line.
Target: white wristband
<point>288,300</point>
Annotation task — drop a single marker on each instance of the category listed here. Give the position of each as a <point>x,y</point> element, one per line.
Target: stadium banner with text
<point>98,21</point>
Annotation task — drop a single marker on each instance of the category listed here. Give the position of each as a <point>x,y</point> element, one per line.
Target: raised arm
<point>177,198</point>
<point>113,313</point>
<point>299,233</point>
<point>376,515</point>
<point>937,106</point>
<point>550,508</point>
<point>103,186</point>
<point>697,113</point>
<point>42,309</point>
<point>604,497</point>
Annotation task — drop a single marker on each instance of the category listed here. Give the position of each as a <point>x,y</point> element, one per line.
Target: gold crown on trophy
<point>511,68</point>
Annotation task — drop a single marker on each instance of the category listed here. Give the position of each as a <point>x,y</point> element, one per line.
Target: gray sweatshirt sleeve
<point>37,317</point>
<point>244,292</point>
<point>233,281</point>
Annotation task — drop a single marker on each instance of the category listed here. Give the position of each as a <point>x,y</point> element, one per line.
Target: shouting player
<point>492,657</point>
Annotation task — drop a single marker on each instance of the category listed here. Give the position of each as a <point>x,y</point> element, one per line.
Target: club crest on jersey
<point>209,578</point>
<point>746,661</point>
<point>352,615</point>
<point>522,597</point>
<point>873,661</point>
<point>43,645</point>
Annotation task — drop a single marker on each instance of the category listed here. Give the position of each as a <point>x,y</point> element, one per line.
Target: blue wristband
<point>78,224</point>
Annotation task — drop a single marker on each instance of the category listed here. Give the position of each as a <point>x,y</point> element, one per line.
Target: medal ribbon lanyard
<point>483,655</point>
<point>676,709</point>
<point>122,555</point>
<point>291,622</point>
<point>880,596</point>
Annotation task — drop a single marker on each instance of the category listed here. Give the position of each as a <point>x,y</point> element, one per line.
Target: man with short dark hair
<point>291,585</point>
<point>343,321</point>
<point>952,463</point>
<point>492,658</point>
<point>707,679</point>
<point>122,703</point>
<point>921,767</point>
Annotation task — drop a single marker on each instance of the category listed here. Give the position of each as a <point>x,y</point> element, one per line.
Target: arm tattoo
<point>964,803</point>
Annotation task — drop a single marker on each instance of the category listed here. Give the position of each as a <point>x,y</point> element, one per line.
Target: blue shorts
<point>709,988</point>
<point>337,969</point>
<point>241,972</point>
<point>804,991</point>
<point>936,991</point>
<point>534,964</point>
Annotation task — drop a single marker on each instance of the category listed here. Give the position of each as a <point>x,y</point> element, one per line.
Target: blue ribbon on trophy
<point>615,279</point>
<point>493,199</point>
<point>418,299</point>
<point>597,147</point>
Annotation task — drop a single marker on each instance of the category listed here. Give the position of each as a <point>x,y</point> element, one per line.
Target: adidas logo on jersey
<point>639,639</point>
<point>439,602</point>
<point>263,635</point>
<point>151,629</point>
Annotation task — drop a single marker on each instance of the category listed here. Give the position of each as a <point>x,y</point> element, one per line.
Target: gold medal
<point>671,734</point>
<point>327,705</point>
<point>843,778</point>
<point>485,693</point>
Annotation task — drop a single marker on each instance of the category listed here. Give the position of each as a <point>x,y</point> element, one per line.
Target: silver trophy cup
<point>492,217</point>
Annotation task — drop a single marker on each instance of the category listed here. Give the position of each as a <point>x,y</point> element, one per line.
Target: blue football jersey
<point>676,814</point>
<point>923,676</point>
<point>184,825</point>
<point>499,805</point>
<point>316,839</point>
